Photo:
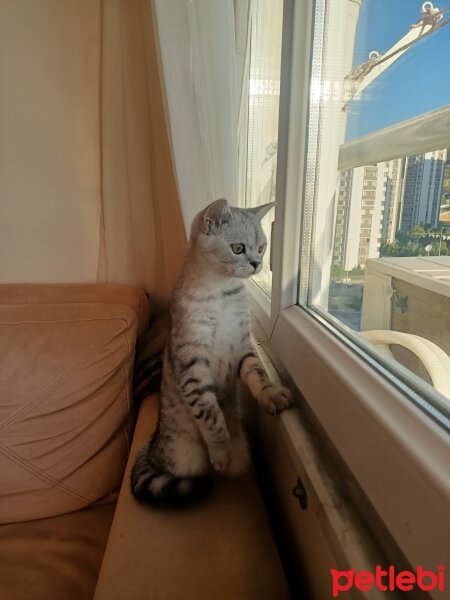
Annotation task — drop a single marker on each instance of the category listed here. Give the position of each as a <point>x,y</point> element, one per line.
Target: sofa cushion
<point>54,559</point>
<point>65,384</point>
<point>30,293</point>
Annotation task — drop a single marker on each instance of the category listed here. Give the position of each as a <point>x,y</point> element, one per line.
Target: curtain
<point>142,237</point>
<point>243,18</point>
<point>204,49</point>
<point>87,186</point>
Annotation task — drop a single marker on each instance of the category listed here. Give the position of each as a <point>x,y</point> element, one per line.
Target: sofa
<point>69,526</point>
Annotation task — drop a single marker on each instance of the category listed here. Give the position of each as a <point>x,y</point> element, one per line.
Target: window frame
<point>373,424</point>
<point>425,133</point>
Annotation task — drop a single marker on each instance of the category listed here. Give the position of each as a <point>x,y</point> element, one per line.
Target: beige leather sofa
<point>66,420</point>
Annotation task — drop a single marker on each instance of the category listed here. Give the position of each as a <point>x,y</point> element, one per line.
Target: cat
<point>209,348</point>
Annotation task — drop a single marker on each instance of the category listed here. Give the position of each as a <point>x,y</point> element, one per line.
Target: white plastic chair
<point>434,359</point>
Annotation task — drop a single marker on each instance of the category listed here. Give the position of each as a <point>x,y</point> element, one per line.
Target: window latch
<point>300,493</point>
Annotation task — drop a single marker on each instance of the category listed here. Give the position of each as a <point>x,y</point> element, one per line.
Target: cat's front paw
<point>275,398</point>
<point>220,457</point>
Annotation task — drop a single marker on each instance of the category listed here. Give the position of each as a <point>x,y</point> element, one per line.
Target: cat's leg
<point>180,452</point>
<point>272,397</point>
<point>170,469</point>
<point>178,446</point>
<point>199,393</point>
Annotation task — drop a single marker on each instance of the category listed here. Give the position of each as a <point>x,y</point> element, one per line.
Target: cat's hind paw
<point>275,398</point>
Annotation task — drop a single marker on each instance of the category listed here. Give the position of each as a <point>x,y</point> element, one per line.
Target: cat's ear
<point>215,215</point>
<point>260,211</point>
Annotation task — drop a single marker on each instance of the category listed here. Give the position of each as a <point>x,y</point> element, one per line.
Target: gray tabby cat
<point>208,349</point>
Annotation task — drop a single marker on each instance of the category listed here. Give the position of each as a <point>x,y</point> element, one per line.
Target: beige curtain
<point>143,237</point>
<point>87,186</point>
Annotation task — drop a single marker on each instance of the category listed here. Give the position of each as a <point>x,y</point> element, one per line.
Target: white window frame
<point>396,453</point>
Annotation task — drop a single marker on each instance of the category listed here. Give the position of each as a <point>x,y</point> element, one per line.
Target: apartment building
<point>367,212</point>
<point>424,177</point>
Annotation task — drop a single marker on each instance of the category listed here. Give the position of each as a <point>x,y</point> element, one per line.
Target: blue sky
<point>417,83</point>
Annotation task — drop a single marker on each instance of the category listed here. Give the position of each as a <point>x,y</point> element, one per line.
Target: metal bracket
<point>400,302</point>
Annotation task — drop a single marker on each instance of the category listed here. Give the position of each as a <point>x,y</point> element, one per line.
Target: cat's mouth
<point>247,273</point>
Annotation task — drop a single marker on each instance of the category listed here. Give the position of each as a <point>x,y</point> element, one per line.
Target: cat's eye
<point>238,248</point>
<point>261,248</point>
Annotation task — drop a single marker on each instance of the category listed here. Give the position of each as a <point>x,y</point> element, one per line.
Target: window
<point>360,245</point>
<point>405,187</point>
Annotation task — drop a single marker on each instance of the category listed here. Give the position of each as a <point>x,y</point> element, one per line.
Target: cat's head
<point>230,240</point>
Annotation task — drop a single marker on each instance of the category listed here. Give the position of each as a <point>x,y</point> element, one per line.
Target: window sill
<point>260,304</point>
<point>398,456</point>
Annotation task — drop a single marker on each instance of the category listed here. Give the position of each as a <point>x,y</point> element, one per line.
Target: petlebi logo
<point>387,580</point>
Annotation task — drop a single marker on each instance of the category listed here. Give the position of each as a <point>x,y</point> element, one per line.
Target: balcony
<point>410,295</point>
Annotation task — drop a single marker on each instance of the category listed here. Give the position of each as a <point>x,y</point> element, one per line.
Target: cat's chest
<point>229,321</point>
<point>230,325</point>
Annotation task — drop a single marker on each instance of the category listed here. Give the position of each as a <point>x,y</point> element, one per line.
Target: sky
<point>417,83</point>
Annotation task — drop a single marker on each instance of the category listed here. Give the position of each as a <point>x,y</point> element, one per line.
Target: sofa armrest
<point>221,549</point>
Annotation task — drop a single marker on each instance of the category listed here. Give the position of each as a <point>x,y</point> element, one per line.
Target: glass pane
<point>379,253</point>
<point>391,209</point>
<point>398,54</point>
<point>263,106</point>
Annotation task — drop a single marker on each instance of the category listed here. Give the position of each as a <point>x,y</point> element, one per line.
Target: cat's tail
<point>151,485</point>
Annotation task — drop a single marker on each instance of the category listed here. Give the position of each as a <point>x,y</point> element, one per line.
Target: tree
<point>419,229</point>
<point>414,245</point>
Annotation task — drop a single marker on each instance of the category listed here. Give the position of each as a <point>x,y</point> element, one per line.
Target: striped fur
<point>181,490</point>
<point>208,350</point>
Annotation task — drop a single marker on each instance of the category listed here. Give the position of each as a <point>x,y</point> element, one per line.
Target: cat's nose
<point>255,264</point>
